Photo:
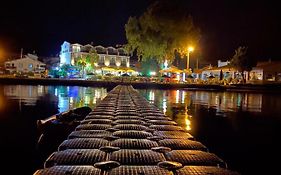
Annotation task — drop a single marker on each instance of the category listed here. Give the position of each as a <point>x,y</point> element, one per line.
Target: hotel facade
<point>108,56</point>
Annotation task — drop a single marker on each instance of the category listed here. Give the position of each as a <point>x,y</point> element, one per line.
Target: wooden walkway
<point>125,134</point>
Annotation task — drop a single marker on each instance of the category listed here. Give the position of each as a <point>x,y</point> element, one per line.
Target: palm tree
<point>93,57</point>
<point>82,63</point>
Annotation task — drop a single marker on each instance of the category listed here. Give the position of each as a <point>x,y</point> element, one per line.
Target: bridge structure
<point>125,134</point>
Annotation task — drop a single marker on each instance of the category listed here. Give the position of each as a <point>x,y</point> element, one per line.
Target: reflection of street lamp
<point>190,49</point>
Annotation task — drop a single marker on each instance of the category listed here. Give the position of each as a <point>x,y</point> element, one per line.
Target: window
<point>30,66</point>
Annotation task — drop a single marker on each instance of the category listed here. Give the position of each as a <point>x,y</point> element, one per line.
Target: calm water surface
<point>241,128</point>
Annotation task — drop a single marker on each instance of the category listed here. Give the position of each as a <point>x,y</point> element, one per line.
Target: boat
<point>54,129</point>
<point>69,116</point>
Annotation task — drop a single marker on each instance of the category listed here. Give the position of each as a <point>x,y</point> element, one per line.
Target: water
<point>21,106</point>
<point>241,128</point>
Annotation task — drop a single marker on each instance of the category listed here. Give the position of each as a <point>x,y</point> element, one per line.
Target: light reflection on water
<point>235,126</point>
<point>65,96</point>
<point>180,105</point>
<point>221,101</point>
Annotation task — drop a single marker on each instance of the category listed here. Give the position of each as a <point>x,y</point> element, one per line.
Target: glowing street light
<point>190,49</point>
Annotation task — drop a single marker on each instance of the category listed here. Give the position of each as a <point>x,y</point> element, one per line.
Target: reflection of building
<point>29,63</point>
<point>227,101</point>
<point>109,56</point>
<point>27,94</point>
<point>74,97</point>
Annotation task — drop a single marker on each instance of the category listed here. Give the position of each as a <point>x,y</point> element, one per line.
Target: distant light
<point>178,76</point>
<point>106,62</point>
<point>190,49</point>
<point>152,73</point>
<point>165,64</point>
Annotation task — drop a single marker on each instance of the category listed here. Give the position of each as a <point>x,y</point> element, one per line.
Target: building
<point>29,63</point>
<point>269,71</point>
<point>108,56</point>
<point>223,63</point>
<point>224,70</point>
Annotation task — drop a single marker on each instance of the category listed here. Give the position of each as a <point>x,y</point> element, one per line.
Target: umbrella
<point>188,71</point>
<point>165,76</point>
<point>126,69</point>
<point>108,74</point>
<point>108,68</point>
<point>125,75</point>
<point>211,76</point>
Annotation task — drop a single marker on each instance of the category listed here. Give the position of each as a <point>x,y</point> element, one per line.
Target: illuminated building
<point>223,67</point>
<point>29,63</point>
<point>266,71</point>
<point>108,56</point>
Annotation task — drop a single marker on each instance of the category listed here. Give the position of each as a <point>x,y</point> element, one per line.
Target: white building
<point>29,63</point>
<point>223,67</point>
<point>110,56</point>
<point>268,71</point>
<point>223,63</point>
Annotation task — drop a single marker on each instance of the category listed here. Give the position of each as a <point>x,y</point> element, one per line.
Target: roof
<point>269,66</point>
<point>224,68</point>
<point>198,71</point>
<point>23,59</point>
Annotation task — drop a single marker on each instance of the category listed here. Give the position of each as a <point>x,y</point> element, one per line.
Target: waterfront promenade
<point>125,134</point>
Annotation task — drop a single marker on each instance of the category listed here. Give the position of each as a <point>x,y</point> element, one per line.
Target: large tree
<point>163,28</point>
<point>241,61</point>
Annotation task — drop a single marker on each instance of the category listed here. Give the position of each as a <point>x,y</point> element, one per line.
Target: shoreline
<point>271,88</point>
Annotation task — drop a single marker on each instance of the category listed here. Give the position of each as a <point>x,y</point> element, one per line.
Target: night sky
<point>42,26</point>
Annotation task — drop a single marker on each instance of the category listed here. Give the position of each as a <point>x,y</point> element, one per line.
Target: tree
<point>65,70</point>
<point>81,63</point>
<point>241,61</point>
<point>148,66</point>
<point>92,58</point>
<point>162,29</point>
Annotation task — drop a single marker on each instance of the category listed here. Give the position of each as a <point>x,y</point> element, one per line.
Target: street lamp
<point>190,49</point>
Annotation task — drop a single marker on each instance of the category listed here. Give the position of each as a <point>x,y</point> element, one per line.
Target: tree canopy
<point>241,61</point>
<point>163,28</point>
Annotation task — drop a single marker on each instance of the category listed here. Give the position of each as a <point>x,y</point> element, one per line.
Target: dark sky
<point>44,25</point>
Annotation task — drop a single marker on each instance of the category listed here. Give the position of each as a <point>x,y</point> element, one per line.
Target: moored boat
<point>54,129</point>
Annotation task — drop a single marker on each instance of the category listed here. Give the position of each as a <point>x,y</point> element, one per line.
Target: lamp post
<point>190,49</point>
